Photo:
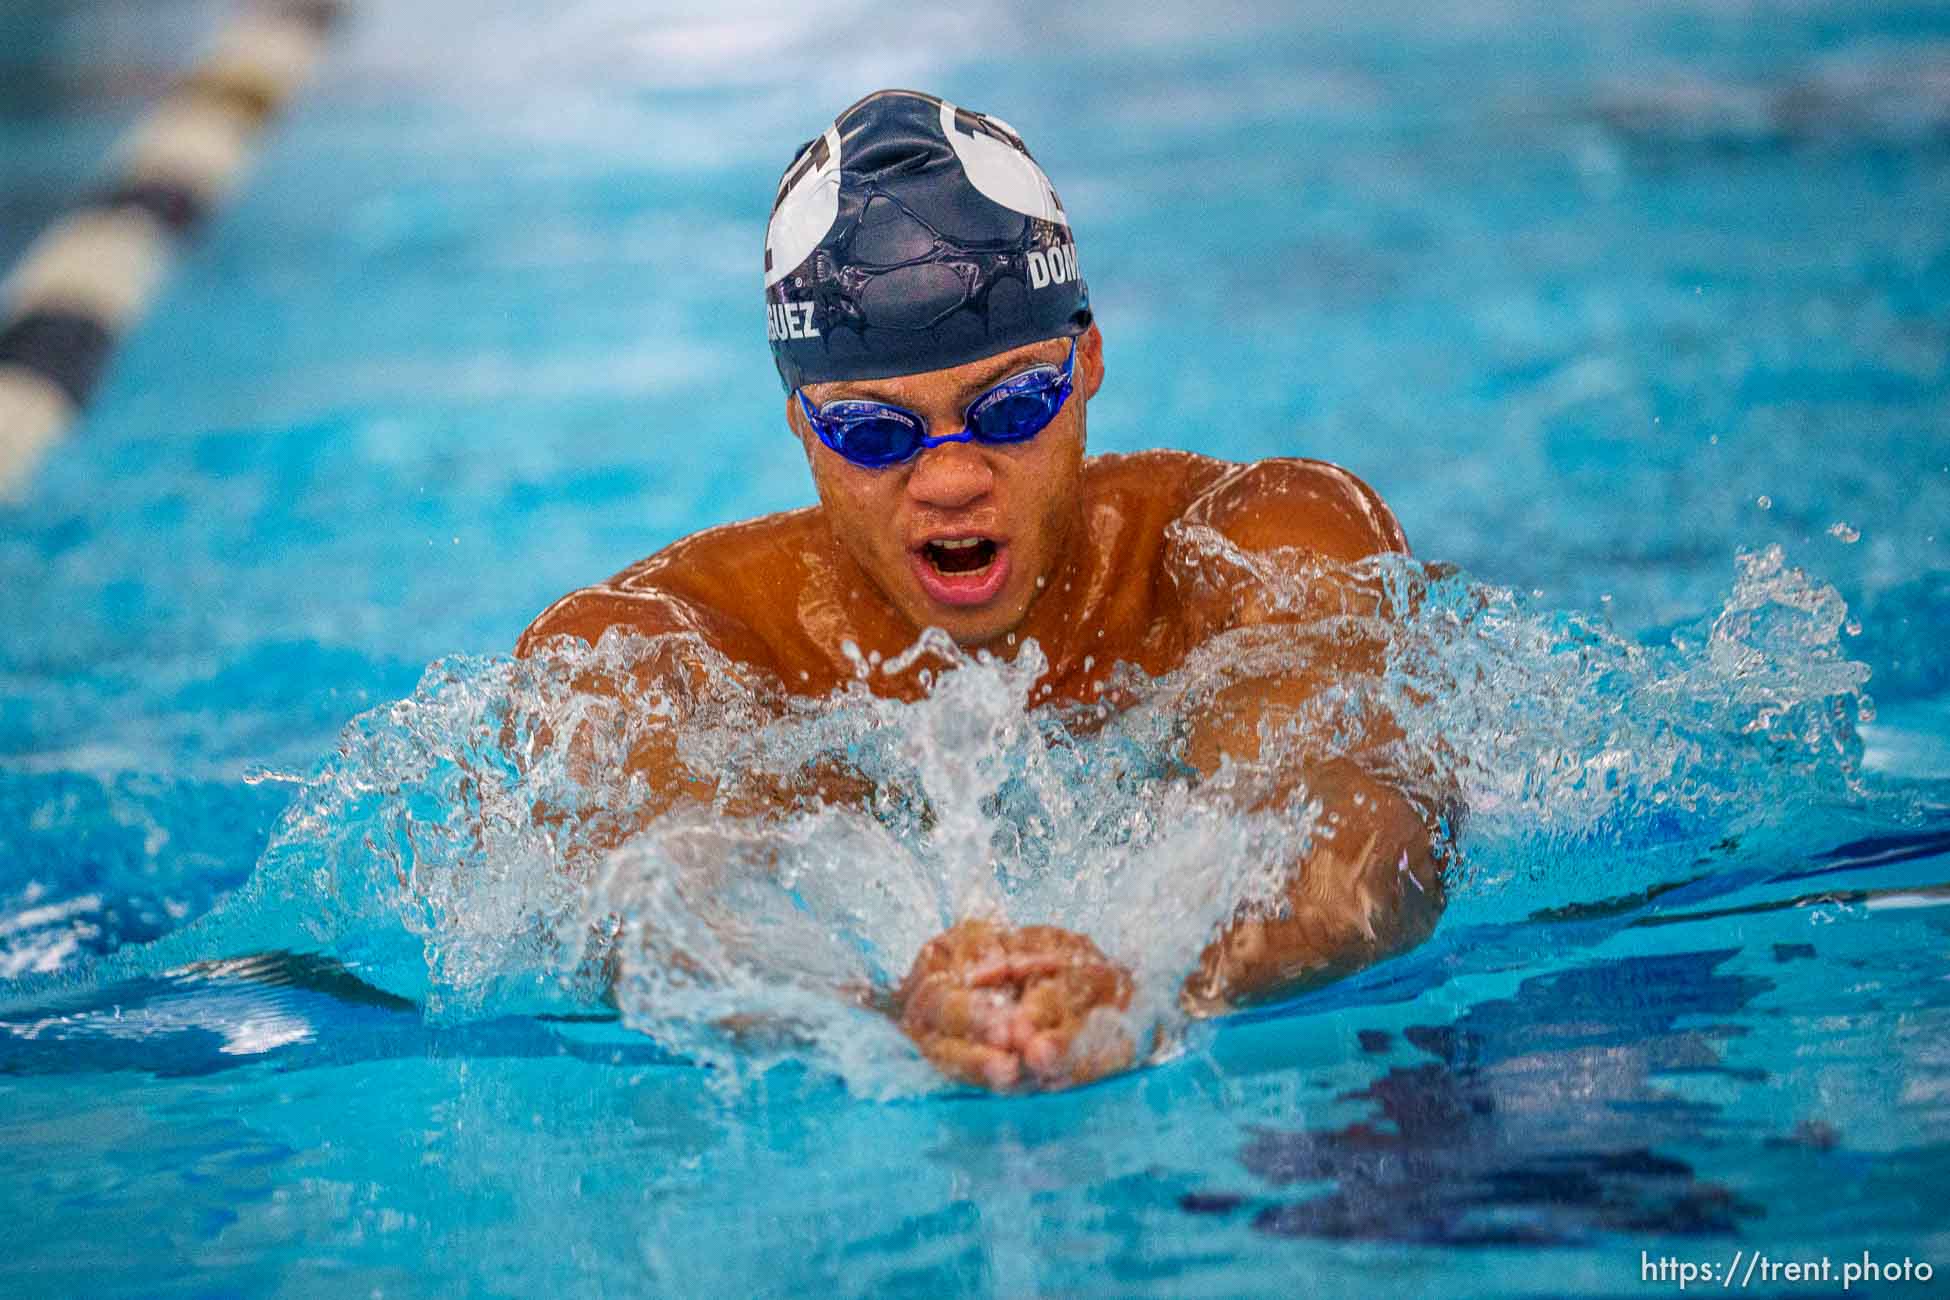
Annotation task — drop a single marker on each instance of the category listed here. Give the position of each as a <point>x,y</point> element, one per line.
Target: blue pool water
<point>1607,300</point>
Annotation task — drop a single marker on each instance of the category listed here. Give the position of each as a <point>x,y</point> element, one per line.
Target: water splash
<point>494,843</point>
<point>1594,765</point>
<point>746,942</point>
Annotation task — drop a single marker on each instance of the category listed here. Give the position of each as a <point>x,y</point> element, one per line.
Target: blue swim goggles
<point>875,435</point>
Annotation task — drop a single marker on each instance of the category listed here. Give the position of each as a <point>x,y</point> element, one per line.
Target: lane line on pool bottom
<point>93,273</point>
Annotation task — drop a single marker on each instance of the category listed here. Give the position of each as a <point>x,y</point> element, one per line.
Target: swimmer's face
<point>958,537</point>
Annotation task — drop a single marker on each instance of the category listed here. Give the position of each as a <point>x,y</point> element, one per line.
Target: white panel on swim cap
<point>804,213</point>
<point>1002,172</point>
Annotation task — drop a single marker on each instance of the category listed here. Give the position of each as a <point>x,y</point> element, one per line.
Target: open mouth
<point>961,571</point>
<point>962,555</point>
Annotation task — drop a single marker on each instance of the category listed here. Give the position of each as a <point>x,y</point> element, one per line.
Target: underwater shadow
<point>1539,1122</point>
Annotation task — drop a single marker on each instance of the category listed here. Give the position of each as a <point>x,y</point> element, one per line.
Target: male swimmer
<point>938,353</point>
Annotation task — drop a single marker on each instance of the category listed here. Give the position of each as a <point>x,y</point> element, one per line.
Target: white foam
<point>486,846</point>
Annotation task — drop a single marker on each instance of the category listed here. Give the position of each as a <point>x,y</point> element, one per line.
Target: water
<point>1634,316</point>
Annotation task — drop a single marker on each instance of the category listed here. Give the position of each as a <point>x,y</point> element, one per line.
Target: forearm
<point>1371,886</point>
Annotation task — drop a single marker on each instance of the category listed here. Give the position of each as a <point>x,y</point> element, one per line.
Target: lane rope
<point>94,272</point>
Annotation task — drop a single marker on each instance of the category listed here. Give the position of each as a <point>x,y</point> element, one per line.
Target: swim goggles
<point>875,435</point>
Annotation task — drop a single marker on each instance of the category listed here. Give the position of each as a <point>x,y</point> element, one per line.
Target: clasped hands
<point>1017,1008</point>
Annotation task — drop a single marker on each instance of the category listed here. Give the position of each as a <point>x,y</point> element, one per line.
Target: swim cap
<point>914,235</point>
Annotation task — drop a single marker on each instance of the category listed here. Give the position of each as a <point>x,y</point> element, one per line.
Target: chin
<point>969,632</point>
<point>981,638</point>
<point>972,629</point>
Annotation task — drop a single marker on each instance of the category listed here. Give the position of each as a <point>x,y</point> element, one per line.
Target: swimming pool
<point>1598,296</point>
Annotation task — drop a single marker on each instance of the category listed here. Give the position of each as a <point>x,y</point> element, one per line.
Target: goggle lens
<point>1020,409</point>
<point>870,434</point>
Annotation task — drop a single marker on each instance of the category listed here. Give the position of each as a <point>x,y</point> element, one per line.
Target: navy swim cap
<point>914,235</point>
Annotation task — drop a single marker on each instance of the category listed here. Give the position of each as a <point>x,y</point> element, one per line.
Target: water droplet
<point>1764,502</point>
<point>1843,532</point>
<point>851,650</point>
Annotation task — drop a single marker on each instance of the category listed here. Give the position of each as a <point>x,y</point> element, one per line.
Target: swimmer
<point>934,337</point>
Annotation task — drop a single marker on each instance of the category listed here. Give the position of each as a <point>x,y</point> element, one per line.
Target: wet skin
<point>1077,555</point>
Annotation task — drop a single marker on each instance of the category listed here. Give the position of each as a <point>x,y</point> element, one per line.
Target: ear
<point>1090,361</point>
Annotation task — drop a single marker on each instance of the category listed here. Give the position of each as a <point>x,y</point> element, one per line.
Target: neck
<point>1074,618</point>
<point>1060,614</point>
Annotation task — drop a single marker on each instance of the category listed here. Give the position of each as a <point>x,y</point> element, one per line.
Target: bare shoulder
<point>1294,502</point>
<point>1159,468</point>
<point>1164,481</point>
<point>710,584</point>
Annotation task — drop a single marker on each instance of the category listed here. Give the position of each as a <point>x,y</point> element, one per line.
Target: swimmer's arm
<point>1370,887</point>
<point>1372,884</point>
<point>673,666</point>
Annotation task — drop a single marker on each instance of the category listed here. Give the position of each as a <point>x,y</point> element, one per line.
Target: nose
<point>950,476</point>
